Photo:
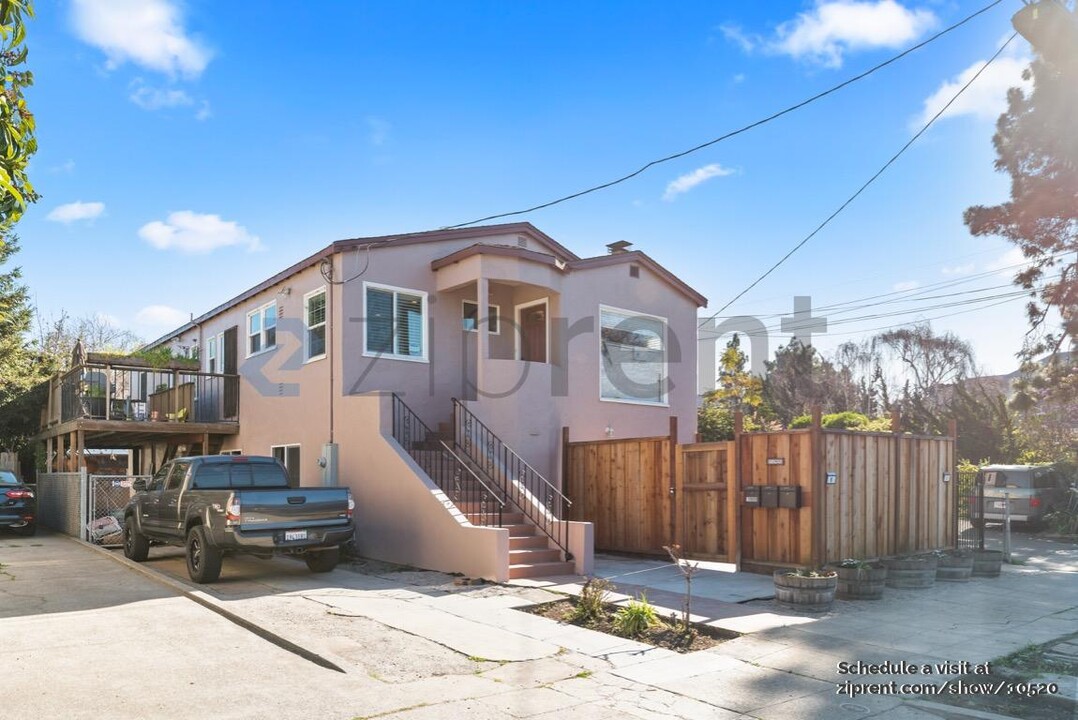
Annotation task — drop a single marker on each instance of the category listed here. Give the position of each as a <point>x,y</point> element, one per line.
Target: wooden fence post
<point>819,488</point>
<point>896,430</point>
<point>565,469</point>
<point>675,496</point>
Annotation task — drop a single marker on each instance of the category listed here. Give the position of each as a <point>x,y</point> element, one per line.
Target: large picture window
<point>262,329</point>
<point>396,323</point>
<point>314,314</point>
<point>632,349</point>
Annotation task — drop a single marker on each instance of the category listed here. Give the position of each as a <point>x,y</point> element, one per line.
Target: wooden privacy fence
<point>853,495</point>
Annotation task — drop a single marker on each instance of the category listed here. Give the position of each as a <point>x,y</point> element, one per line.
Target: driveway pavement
<point>415,644</point>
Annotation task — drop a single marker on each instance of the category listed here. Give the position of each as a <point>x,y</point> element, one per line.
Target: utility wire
<point>736,132</point>
<point>911,295</point>
<point>865,186</point>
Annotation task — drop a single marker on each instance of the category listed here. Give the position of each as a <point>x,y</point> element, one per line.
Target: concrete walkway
<point>416,644</point>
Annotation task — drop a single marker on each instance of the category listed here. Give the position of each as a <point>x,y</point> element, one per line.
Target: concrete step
<point>527,541</point>
<point>543,569</point>
<point>533,556</point>
<point>521,530</point>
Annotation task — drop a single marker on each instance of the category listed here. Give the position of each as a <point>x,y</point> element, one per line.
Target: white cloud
<point>197,233</point>
<point>906,285</point>
<point>204,112</point>
<point>151,98</point>
<point>833,28</point>
<point>688,181</point>
<point>149,33</point>
<point>985,99</point>
<point>75,211</point>
<point>958,269</point>
<point>161,316</point>
<point>1006,264</point>
<point>66,167</point>
<point>739,37</point>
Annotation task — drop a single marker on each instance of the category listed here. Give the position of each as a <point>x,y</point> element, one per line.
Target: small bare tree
<point>687,570</point>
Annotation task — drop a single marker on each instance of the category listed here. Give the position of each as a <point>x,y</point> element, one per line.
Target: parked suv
<point>1032,491</point>
<point>18,506</point>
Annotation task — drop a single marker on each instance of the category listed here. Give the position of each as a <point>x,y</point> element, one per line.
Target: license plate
<point>295,535</point>
<point>999,504</point>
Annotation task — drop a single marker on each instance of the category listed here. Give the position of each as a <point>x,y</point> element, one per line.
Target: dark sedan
<point>18,506</point>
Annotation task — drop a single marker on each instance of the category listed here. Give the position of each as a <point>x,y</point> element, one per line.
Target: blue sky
<point>189,150</point>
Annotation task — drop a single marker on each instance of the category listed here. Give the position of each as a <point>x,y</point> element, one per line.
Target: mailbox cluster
<point>772,496</point>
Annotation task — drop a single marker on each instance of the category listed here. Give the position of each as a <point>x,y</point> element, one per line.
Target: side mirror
<point>139,485</point>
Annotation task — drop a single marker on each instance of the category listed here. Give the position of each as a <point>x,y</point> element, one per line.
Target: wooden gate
<point>623,488</point>
<point>644,493</point>
<point>706,499</point>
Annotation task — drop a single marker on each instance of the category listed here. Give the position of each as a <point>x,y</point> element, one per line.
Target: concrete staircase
<point>530,554</point>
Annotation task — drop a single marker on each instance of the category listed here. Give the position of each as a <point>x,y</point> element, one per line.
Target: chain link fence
<point>108,496</point>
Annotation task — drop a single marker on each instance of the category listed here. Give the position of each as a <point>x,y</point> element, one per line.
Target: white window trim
<point>212,354</point>
<point>237,451</point>
<point>520,327</point>
<point>285,460</point>
<point>262,330</point>
<point>425,357</point>
<point>665,403</point>
<point>497,312</point>
<point>307,328</point>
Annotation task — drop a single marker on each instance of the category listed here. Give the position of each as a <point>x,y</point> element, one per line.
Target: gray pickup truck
<point>221,504</point>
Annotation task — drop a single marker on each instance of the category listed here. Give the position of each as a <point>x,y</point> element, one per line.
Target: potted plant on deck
<point>860,579</point>
<point>806,589</point>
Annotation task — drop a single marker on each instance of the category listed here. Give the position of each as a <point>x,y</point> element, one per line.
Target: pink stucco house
<point>433,374</point>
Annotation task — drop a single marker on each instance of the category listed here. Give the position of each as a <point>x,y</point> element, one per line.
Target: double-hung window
<point>314,318</point>
<point>262,328</point>
<point>211,355</point>
<point>396,323</point>
<point>632,349</point>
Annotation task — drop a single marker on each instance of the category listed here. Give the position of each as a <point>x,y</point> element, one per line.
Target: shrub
<point>801,421</point>
<point>593,597</point>
<point>635,618</point>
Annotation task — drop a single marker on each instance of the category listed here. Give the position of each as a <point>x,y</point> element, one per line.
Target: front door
<point>533,332</point>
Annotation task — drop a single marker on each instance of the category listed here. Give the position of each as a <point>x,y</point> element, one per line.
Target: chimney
<point>620,246</point>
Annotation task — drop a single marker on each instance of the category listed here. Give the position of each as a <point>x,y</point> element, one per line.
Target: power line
<point>736,132</point>
<point>867,183</point>
<point>917,294</point>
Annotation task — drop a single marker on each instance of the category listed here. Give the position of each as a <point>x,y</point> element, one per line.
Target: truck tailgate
<point>292,508</point>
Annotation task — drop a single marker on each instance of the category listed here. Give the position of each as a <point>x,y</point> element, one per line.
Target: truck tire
<point>136,546</point>
<point>323,561</point>
<point>203,559</point>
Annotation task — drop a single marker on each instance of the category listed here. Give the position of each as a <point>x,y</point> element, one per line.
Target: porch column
<point>48,455</point>
<point>482,341</point>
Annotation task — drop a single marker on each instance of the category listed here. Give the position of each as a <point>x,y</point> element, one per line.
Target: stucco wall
<point>401,516</point>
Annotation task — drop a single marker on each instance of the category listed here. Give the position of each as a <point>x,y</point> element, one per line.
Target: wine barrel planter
<point>911,572</point>
<point>987,563</point>
<point>954,567</point>
<point>863,583</point>
<point>802,592</point>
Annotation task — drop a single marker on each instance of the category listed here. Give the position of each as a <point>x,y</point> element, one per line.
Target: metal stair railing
<point>447,469</point>
<point>542,503</point>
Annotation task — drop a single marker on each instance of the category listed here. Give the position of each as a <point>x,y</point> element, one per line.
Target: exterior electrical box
<point>329,463</point>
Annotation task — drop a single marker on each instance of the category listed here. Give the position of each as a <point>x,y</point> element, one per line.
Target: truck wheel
<point>203,559</point>
<point>323,561</point>
<point>136,546</point>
